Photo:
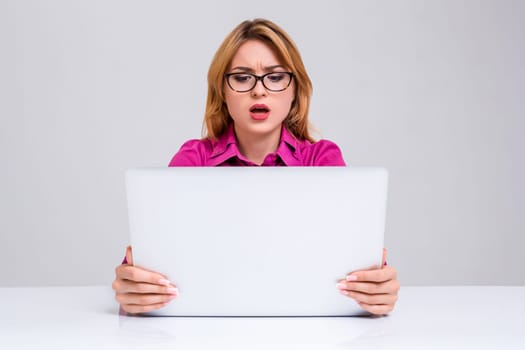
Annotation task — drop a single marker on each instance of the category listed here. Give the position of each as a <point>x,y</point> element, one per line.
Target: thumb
<point>383,261</point>
<point>129,255</point>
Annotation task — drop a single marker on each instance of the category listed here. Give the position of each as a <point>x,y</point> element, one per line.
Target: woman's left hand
<point>374,290</point>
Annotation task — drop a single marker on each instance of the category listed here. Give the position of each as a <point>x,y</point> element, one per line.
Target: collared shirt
<point>225,152</point>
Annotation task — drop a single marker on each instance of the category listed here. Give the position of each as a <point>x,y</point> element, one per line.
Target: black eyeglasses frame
<point>257,79</point>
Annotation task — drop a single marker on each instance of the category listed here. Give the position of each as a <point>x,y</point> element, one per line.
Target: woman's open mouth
<point>259,111</point>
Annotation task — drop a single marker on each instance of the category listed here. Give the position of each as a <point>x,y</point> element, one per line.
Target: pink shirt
<point>225,152</point>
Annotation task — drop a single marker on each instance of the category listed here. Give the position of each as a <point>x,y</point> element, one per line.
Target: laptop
<point>257,241</point>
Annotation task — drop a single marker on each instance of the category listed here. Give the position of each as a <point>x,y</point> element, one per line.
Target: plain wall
<point>433,90</point>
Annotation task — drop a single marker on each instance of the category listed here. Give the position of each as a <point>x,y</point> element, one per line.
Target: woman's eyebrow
<point>251,70</point>
<point>270,68</point>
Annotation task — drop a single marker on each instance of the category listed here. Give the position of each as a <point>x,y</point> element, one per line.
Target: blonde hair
<point>217,117</point>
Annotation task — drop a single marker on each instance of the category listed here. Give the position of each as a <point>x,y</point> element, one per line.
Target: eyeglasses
<point>244,82</point>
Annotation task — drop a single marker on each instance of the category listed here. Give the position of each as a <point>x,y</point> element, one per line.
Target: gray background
<point>433,90</point>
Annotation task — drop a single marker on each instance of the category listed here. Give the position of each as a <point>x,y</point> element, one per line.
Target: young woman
<point>256,115</point>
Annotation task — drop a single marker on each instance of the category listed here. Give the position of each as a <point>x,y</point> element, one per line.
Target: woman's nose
<point>259,89</point>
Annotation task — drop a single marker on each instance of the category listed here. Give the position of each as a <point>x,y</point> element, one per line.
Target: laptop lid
<point>257,241</point>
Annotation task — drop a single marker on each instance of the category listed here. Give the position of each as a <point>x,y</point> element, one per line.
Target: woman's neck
<point>256,147</point>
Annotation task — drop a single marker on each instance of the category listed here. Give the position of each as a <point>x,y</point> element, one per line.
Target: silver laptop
<point>257,241</point>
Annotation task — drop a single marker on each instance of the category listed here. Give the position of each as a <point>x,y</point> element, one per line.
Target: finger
<point>389,287</point>
<point>129,255</point>
<point>139,309</point>
<point>137,274</point>
<point>376,275</point>
<point>383,260</point>
<point>143,299</point>
<point>371,299</point>
<point>125,286</point>
<point>377,309</point>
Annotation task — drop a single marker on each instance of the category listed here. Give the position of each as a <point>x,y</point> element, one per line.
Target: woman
<point>256,114</point>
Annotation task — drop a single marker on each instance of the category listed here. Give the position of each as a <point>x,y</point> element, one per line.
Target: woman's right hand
<point>139,290</point>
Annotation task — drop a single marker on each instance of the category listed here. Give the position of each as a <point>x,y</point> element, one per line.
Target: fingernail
<point>351,278</point>
<point>345,292</point>
<point>164,282</point>
<point>173,290</point>
<point>341,285</point>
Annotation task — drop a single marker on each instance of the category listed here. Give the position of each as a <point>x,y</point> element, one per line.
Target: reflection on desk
<point>425,318</point>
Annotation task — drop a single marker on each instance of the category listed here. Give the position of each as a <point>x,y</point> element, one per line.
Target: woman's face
<point>258,112</point>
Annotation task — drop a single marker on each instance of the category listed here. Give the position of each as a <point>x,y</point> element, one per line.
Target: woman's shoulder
<point>193,152</point>
<point>321,153</point>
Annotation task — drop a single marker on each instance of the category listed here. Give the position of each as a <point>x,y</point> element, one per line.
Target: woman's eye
<point>276,77</point>
<point>242,78</point>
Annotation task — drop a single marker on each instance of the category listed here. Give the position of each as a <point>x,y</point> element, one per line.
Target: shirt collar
<point>225,147</point>
<point>223,143</point>
<point>288,148</point>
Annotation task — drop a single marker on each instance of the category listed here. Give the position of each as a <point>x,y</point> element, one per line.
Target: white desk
<point>425,318</point>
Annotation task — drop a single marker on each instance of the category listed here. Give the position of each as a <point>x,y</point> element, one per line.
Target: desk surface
<point>425,318</point>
